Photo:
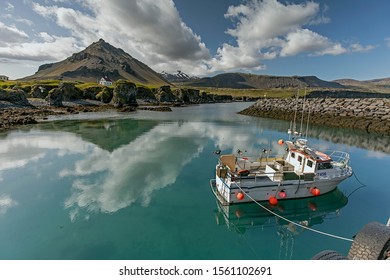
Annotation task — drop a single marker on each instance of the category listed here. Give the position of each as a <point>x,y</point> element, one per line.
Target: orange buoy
<point>280,142</point>
<point>315,191</point>
<point>282,194</point>
<point>273,200</point>
<point>240,196</point>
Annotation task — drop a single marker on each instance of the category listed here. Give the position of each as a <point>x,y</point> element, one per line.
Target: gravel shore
<point>13,115</point>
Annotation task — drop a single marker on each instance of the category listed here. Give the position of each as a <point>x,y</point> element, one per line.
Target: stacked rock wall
<point>370,114</point>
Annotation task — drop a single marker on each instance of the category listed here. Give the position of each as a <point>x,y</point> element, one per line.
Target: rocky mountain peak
<point>98,60</point>
<point>179,76</point>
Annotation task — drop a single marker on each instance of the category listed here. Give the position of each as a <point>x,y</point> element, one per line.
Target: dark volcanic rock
<point>164,95</point>
<point>54,98</point>
<point>105,95</point>
<point>124,94</point>
<point>17,97</point>
<point>69,91</point>
<point>38,91</point>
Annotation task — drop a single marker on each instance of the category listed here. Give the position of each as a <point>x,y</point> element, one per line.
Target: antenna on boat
<point>307,124</point>
<point>303,113</point>
<point>293,129</point>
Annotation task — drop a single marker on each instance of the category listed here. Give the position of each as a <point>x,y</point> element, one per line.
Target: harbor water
<point>136,186</point>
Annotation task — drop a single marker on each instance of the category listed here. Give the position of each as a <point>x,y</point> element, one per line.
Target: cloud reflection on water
<point>6,202</point>
<point>133,172</point>
<point>107,181</point>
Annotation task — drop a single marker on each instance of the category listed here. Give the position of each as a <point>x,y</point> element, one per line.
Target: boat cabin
<point>306,160</point>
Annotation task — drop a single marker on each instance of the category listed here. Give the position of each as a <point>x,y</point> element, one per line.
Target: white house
<point>3,78</point>
<point>105,82</point>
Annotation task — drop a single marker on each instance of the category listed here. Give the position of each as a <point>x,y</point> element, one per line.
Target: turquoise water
<point>136,186</point>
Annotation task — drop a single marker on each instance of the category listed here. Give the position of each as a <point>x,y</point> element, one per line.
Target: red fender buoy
<point>273,200</point>
<point>282,194</point>
<point>240,196</point>
<point>315,191</point>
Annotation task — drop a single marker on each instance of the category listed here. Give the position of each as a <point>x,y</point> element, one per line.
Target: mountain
<point>98,60</point>
<point>251,81</point>
<point>178,77</point>
<point>376,85</point>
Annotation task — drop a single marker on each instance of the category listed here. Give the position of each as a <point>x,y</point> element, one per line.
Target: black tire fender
<point>371,243</point>
<point>329,255</point>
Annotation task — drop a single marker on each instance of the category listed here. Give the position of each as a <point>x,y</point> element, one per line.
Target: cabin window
<point>300,159</point>
<point>324,165</point>
<point>293,155</point>
<point>309,163</point>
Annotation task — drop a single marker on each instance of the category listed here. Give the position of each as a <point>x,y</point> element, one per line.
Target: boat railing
<point>339,158</point>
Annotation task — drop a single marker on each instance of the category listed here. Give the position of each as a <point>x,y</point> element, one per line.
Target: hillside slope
<point>251,81</point>
<point>100,59</point>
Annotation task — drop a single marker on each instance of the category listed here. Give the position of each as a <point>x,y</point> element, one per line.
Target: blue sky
<point>328,39</point>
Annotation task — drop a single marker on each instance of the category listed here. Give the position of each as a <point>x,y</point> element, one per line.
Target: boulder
<point>188,95</point>
<point>145,94</point>
<point>164,95</point>
<point>54,98</point>
<point>69,91</point>
<point>91,92</point>
<point>124,94</point>
<point>105,95</point>
<point>17,96</point>
<point>38,91</point>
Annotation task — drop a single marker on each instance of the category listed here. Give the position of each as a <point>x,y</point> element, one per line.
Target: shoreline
<point>14,115</point>
<point>371,115</point>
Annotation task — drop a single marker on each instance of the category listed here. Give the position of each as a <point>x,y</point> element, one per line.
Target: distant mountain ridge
<point>178,77</point>
<point>100,59</point>
<point>251,81</point>
<point>376,85</point>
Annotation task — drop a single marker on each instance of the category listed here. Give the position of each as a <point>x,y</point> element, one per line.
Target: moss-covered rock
<point>17,96</point>
<point>145,94</point>
<point>124,94</point>
<point>164,95</point>
<point>69,91</point>
<point>105,95</point>
<point>91,92</point>
<point>54,98</point>
<point>38,91</point>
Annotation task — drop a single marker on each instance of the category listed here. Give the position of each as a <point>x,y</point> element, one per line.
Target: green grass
<point>83,86</point>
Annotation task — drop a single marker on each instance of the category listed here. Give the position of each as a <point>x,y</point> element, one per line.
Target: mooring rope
<point>294,223</point>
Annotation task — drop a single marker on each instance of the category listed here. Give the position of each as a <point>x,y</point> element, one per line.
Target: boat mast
<point>303,113</point>
<point>307,124</point>
<point>293,131</point>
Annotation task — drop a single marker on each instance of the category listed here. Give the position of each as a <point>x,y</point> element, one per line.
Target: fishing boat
<point>302,171</point>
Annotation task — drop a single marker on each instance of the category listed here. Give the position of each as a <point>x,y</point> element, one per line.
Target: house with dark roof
<point>104,81</point>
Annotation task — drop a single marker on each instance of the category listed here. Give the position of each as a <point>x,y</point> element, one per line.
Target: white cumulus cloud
<point>154,33</point>
<point>10,34</point>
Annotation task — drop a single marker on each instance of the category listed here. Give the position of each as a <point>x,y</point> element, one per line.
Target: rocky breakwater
<point>369,114</point>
